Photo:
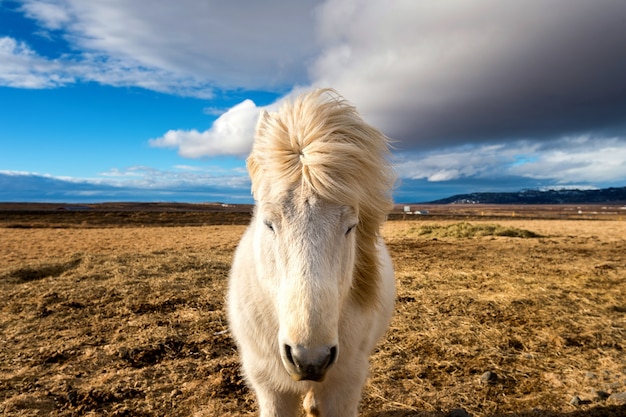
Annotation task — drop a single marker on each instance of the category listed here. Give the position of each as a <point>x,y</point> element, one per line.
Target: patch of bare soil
<point>129,321</point>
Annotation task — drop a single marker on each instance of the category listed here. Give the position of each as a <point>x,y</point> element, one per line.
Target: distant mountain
<point>565,196</point>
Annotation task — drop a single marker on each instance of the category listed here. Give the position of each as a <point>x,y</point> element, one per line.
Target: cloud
<point>467,89</point>
<point>441,74</point>
<point>180,177</point>
<point>462,162</point>
<point>129,184</point>
<point>580,159</point>
<point>424,72</point>
<point>24,68</point>
<point>572,160</point>
<point>433,73</point>
<point>224,45</point>
<point>230,134</point>
<point>54,15</point>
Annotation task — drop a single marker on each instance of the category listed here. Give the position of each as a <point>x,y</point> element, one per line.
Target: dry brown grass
<point>130,321</point>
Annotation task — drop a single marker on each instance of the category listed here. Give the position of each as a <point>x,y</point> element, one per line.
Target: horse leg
<point>338,400</point>
<point>276,404</point>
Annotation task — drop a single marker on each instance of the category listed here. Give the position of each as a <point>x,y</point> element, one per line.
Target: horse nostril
<point>289,356</point>
<point>333,356</point>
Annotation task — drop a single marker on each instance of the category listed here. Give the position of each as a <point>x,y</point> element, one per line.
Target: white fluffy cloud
<point>571,160</point>
<point>579,159</point>
<point>460,162</point>
<point>231,134</point>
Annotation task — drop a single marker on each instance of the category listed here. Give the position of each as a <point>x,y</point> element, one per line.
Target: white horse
<point>312,285</point>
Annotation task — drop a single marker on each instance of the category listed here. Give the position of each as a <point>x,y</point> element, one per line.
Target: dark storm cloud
<point>487,71</point>
<point>566,82</point>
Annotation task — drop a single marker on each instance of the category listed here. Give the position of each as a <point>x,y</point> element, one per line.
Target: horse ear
<point>253,169</point>
<point>262,122</point>
<point>252,163</point>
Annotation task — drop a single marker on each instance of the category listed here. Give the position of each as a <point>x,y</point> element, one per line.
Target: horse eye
<point>351,228</point>
<point>269,225</point>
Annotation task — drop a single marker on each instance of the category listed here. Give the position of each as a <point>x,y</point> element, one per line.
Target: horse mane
<point>320,143</point>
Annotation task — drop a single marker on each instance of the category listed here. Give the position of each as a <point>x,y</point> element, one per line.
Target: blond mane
<point>319,142</point>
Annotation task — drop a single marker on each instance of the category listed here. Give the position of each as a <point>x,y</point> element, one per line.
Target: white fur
<point>293,277</point>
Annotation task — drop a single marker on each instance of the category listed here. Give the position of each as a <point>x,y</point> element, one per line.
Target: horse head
<point>308,245</point>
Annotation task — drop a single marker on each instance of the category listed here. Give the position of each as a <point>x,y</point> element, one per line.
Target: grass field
<point>124,320</point>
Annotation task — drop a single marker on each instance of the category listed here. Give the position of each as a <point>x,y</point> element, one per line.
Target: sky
<point>154,100</point>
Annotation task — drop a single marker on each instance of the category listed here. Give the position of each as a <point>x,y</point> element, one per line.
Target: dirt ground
<point>128,320</point>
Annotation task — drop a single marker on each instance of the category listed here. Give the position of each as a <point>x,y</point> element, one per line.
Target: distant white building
<point>407,210</point>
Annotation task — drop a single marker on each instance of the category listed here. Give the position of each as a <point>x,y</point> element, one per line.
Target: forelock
<point>319,142</point>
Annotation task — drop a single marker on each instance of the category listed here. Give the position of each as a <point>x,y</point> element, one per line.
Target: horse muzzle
<point>308,364</point>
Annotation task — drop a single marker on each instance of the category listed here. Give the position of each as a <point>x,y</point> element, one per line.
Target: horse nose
<point>308,364</point>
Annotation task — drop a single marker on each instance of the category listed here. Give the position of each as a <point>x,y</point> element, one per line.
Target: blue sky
<point>156,100</point>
